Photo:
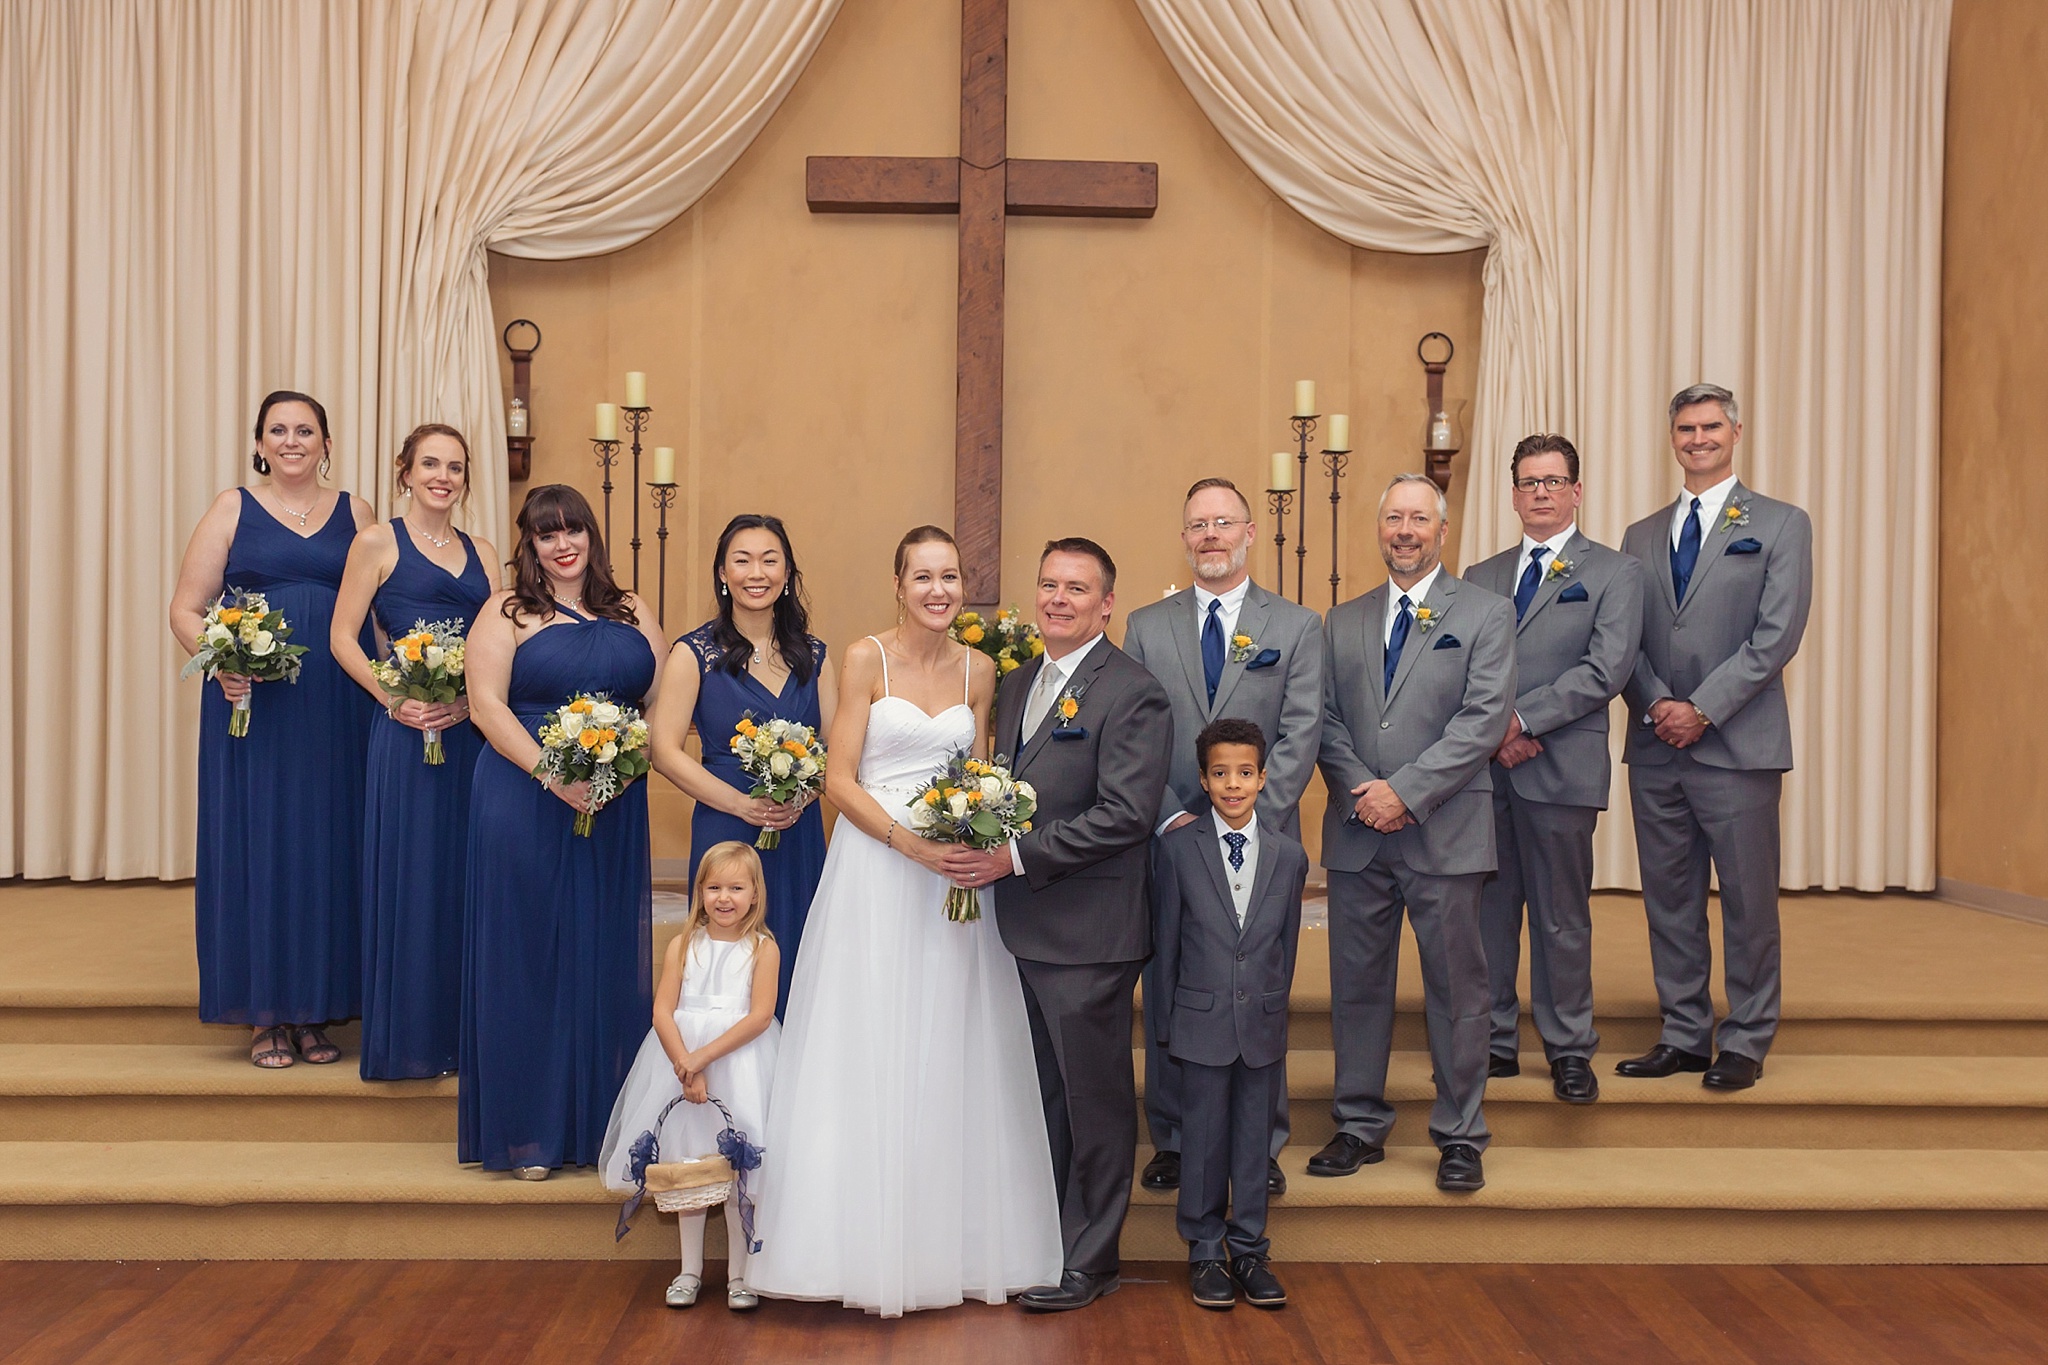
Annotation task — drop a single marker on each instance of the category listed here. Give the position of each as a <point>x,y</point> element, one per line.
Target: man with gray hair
<point>1417,688</point>
<point>1710,741</point>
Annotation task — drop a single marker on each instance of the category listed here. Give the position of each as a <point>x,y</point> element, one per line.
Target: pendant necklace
<point>439,542</point>
<point>295,511</point>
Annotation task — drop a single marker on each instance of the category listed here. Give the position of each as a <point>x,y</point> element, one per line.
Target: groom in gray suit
<point>1419,681</point>
<point>1091,732</point>
<point>1710,740</point>
<point>1578,621</point>
<point>1225,647</point>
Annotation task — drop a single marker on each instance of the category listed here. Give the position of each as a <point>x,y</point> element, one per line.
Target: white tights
<point>691,1226</point>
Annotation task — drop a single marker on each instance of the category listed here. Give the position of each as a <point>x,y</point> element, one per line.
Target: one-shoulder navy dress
<point>276,899</point>
<point>557,981</point>
<point>792,868</point>
<point>416,843</point>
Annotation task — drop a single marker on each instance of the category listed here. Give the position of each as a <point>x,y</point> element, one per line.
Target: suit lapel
<point>1714,543</point>
<point>1262,882</point>
<point>1251,620</point>
<point>1187,641</point>
<point>1441,594</point>
<point>1033,746</point>
<point>1374,624</point>
<point>1010,711</point>
<point>1212,858</point>
<point>1661,540</point>
<point>1548,589</point>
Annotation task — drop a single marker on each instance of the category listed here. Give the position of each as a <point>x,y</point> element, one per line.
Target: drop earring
<point>326,464</point>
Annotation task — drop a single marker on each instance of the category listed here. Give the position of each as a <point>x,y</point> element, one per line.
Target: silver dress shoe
<point>739,1298</point>
<point>682,1291</point>
<point>531,1172</point>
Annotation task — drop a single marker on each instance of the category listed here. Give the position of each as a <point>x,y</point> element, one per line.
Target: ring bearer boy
<point>1227,898</point>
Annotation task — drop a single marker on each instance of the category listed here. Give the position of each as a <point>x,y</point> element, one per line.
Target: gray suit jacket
<point>1279,685</point>
<point>1082,897</point>
<point>1724,649</point>
<point>1228,986</point>
<point>1431,737</point>
<point>1574,649</point>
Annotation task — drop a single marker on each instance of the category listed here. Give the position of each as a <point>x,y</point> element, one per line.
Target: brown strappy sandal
<point>314,1047</point>
<point>269,1050</point>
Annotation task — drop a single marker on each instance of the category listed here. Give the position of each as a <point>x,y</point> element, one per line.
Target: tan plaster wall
<point>1993,752</point>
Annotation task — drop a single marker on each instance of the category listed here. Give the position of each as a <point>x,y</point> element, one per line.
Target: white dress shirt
<point>1054,675</point>
<point>1233,603</point>
<point>1240,879</point>
<point>1416,596</point>
<point>1711,503</point>
<point>1553,548</point>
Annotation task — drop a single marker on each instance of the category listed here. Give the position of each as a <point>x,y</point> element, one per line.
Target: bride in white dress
<point>907,1164</point>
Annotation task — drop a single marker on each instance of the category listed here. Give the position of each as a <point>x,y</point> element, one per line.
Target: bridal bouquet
<point>425,666</point>
<point>974,802</point>
<point>785,760</point>
<point>1009,639</point>
<point>243,635</point>
<point>593,739</point>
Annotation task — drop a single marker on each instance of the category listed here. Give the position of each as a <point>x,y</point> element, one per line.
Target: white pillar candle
<point>607,422</point>
<point>636,388</point>
<point>664,465</point>
<point>1283,472</point>
<point>1340,432</point>
<point>1304,398</point>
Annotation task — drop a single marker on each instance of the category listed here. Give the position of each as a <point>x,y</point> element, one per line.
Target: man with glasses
<point>1578,620</point>
<point>1225,647</point>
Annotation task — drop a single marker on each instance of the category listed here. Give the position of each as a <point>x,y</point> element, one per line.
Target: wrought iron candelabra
<point>607,456</point>
<point>664,495</point>
<point>1304,428</point>
<point>1280,501</point>
<point>1334,463</point>
<point>636,420</point>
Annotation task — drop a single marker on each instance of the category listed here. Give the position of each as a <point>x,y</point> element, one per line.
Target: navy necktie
<point>1395,641</point>
<point>1688,552</point>
<point>1525,591</point>
<point>1237,842</point>
<point>1212,647</point>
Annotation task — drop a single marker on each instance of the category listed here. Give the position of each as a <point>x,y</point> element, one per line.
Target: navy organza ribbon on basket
<point>740,1154</point>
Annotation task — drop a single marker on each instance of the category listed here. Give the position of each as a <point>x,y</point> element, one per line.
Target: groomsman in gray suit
<point>1710,740</point>
<point>1578,623</point>
<point>1419,681</point>
<point>1225,647</point>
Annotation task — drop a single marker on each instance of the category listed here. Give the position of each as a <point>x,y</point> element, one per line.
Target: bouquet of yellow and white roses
<point>243,635</point>
<point>593,739</point>
<point>425,665</point>
<point>1009,639</point>
<point>975,802</point>
<point>785,760</point>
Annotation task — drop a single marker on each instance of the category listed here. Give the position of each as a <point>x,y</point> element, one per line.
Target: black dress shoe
<point>1343,1155</point>
<point>1212,1284</point>
<point>1732,1071</point>
<point>1499,1064</point>
<point>1276,1179</point>
<point>1162,1172</point>
<point>1661,1060</point>
<point>1458,1169</point>
<point>1261,1287</point>
<point>1573,1080</point>
<point>1076,1289</point>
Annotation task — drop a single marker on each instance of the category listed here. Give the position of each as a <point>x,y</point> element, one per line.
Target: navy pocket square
<point>1266,659</point>
<point>1070,732</point>
<point>1449,642</point>
<point>1575,593</point>
<point>1746,546</point>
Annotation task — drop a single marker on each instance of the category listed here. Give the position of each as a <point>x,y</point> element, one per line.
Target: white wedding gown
<point>907,1164</point>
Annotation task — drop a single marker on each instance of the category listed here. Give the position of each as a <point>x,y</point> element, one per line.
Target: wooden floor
<point>417,1311</point>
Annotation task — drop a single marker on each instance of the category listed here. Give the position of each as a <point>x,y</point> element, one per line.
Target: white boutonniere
<point>1241,646</point>
<point>1559,568</point>
<point>1734,514</point>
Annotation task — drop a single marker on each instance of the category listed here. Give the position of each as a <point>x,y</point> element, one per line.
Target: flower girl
<point>714,1035</point>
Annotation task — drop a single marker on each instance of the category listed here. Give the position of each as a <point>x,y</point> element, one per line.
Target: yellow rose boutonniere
<point>1734,514</point>
<point>1559,568</point>
<point>1069,708</point>
<point>1241,647</point>
<point>1425,619</point>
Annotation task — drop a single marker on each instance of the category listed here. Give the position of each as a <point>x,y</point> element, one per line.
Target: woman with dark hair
<point>418,567</point>
<point>557,982</point>
<point>275,899</point>
<point>756,658</point>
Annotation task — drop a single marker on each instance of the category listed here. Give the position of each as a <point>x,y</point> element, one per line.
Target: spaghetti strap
<point>885,663</point>
<point>967,682</point>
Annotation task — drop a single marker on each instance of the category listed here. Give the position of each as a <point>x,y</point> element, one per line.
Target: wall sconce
<point>519,416</point>
<point>1443,430</point>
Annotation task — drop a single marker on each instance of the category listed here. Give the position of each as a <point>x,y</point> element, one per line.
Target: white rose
<point>572,723</point>
<point>607,751</point>
<point>923,816</point>
<point>780,763</point>
<point>807,768</point>
<point>957,804</point>
<point>991,788</point>
<point>432,656</point>
<point>218,634</point>
<point>1027,792</point>
<point>604,713</point>
<point>263,645</point>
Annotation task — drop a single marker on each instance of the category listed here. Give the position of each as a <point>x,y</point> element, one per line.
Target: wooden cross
<point>984,186</point>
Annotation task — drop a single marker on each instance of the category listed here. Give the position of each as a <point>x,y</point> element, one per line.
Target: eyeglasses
<point>1221,525</point>
<point>1549,483</point>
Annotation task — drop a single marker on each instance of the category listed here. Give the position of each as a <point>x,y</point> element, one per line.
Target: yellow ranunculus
<point>972,635</point>
<point>1069,708</point>
<point>1037,646</point>
<point>747,727</point>
<point>412,653</point>
<point>232,616</point>
<point>968,618</point>
<point>1006,664</point>
<point>581,706</point>
<point>931,798</point>
<point>590,739</point>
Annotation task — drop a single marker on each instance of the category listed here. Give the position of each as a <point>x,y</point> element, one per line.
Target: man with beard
<point>1419,685</point>
<point>1225,647</point>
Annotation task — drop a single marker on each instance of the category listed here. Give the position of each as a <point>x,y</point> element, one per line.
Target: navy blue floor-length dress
<point>416,842</point>
<point>792,868</point>
<point>276,898</point>
<point>557,987</point>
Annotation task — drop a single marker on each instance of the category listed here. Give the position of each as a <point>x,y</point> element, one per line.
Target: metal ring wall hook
<point>506,335</point>
<point>1449,349</point>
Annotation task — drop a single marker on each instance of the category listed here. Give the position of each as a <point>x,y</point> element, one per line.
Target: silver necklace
<point>295,511</point>
<point>438,542</point>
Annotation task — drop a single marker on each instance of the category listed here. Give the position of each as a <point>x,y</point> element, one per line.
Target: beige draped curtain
<point>1743,191</point>
<point>206,201</point>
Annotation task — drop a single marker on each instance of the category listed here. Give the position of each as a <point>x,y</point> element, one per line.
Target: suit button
<point>1240,957</point>
<point>1240,995</point>
<point>1386,725</point>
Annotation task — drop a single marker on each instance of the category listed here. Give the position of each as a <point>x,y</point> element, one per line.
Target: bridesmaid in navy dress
<point>276,905</point>
<point>557,980</point>
<point>756,657</point>
<point>418,567</point>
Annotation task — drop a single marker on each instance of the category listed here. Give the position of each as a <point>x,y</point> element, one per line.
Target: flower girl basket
<point>692,1183</point>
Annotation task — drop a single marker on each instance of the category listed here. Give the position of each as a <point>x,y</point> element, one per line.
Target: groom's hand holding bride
<point>972,867</point>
